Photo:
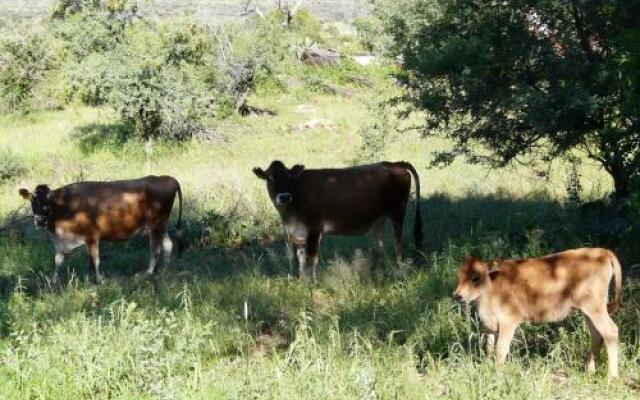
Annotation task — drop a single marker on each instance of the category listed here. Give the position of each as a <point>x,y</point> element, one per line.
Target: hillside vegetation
<point>228,319</point>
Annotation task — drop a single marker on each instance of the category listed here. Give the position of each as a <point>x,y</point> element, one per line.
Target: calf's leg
<point>596,346</point>
<point>609,333</point>
<point>505,335</point>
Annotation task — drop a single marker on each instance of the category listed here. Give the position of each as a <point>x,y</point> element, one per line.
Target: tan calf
<point>547,288</point>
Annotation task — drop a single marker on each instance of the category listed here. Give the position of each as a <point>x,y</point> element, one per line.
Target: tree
<point>525,77</point>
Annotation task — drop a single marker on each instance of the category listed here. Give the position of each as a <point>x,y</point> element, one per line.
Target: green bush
<point>24,61</point>
<point>62,9</point>
<point>10,166</point>
<point>159,101</point>
<point>372,35</point>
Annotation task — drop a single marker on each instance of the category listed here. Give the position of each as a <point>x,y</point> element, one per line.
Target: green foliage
<point>10,165</point>
<point>372,35</point>
<point>24,62</point>
<point>521,78</point>
<point>62,9</point>
<point>377,135</point>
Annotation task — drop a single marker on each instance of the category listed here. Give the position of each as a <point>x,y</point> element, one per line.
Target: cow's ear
<point>260,173</point>
<point>25,194</point>
<point>296,171</point>
<point>470,260</point>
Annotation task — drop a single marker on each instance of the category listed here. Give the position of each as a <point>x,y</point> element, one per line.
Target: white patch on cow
<point>65,241</point>
<point>327,227</point>
<point>297,231</point>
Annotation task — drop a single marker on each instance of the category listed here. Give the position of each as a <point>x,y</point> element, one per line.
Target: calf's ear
<point>25,194</point>
<point>470,260</point>
<point>495,266</point>
<point>296,171</point>
<point>260,173</point>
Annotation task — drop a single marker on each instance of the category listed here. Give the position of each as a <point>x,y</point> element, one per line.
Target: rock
<point>319,57</point>
<point>364,59</point>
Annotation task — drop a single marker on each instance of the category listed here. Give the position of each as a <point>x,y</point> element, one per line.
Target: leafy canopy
<point>523,77</point>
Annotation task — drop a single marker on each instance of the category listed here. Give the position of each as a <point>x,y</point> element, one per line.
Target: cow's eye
<point>475,279</point>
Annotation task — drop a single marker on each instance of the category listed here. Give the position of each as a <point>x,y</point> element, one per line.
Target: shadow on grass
<point>230,261</point>
<point>99,136</point>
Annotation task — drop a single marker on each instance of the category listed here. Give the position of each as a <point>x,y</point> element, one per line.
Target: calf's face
<point>473,278</point>
<point>280,181</point>
<point>40,204</point>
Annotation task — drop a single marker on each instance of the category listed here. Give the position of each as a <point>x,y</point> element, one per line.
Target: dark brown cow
<point>86,212</point>
<point>347,201</point>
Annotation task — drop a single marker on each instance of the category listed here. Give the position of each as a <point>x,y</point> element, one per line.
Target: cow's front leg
<point>302,259</point>
<point>506,329</point>
<point>313,251</point>
<point>93,251</point>
<point>289,251</point>
<point>58,260</point>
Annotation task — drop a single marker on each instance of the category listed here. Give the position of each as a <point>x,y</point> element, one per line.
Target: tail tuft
<point>617,275</point>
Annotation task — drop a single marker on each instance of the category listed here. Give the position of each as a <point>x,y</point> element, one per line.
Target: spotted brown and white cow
<point>345,201</point>
<point>87,212</point>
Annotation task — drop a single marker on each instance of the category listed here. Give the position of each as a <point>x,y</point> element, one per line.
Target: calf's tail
<point>417,225</point>
<point>617,276</point>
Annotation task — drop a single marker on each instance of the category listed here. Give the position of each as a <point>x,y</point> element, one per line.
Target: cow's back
<point>546,288</point>
<point>112,210</point>
<point>349,200</point>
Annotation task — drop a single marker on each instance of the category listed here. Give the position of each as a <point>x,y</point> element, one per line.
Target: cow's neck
<point>485,308</point>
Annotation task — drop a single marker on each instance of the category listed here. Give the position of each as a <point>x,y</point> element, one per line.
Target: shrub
<point>372,35</point>
<point>24,61</point>
<point>10,166</point>
<point>245,53</point>
<point>62,9</point>
<point>159,101</point>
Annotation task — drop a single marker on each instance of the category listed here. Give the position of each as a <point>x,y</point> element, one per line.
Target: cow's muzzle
<point>283,199</point>
<point>39,221</point>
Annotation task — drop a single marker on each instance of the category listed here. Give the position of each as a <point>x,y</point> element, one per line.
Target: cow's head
<point>40,204</point>
<point>280,181</point>
<point>474,277</point>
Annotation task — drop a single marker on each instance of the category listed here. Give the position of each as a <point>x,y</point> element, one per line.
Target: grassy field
<point>359,334</point>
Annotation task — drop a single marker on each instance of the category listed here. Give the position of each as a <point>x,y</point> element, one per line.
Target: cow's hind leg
<point>596,346</point>
<point>93,251</point>
<point>608,330</point>
<point>398,220</point>
<point>378,237</point>
<point>155,249</point>
<point>167,248</point>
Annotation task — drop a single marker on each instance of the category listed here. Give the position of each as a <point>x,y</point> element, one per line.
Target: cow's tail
<point>178,233</point>
<point>417,225</point>
<point>617,276</point>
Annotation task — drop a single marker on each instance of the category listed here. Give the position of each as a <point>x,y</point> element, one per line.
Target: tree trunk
<point>621,183</point>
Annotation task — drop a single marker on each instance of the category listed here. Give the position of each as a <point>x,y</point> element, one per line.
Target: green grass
<point>362,333</point>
